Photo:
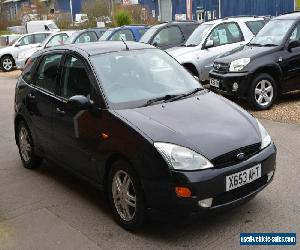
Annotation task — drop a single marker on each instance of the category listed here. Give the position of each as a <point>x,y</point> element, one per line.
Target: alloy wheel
<point>24,144</point>
<point>264,93</point>
<point>7,64</point>
<point>124,195</point>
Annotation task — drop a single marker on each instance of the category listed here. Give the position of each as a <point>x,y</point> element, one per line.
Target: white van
<point>41,25</point>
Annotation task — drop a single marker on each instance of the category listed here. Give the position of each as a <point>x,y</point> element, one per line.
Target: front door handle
<point>60,111</point>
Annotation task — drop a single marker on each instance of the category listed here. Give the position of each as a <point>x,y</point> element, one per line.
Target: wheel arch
<point>274,72</point>
<point>10,55</point>
<point>17,121</point>
<point>191,68</point>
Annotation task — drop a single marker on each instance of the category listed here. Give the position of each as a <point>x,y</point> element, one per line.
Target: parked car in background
<point>127,33</point>
<point>81,19</point>
<point>134,122</point>
<point>9,55</point>
<point>169,34</point>
<point>56,39</point>
<point>41,25</point>
<point>264,68</point>
<point>86,36</point>
<point>212,39</point>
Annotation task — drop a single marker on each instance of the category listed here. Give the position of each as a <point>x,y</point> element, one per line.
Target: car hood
<point>244,52</point>
<point>208,124</point>
<point>181,51</point>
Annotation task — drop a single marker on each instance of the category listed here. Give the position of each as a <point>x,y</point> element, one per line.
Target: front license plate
<point>242,178</point>
<point>215,83</point>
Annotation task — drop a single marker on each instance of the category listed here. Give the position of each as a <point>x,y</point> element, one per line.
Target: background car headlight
<point>265,137</point>
<point>182,158</point>
<point>239,64</point>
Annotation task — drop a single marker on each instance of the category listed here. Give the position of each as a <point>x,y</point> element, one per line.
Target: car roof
<point>236,19</point>
<point>180,23</point>
<point>129,27</point>
<point>102,47</point>
<point>294,16</point>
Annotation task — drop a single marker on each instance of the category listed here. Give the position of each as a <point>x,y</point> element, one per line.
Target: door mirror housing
<point>209,44</point>
<point>78,102</point>
<point>293,44</point>
<point>155,44</point>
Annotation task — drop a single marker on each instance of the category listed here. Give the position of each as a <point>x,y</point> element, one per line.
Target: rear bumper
<point>227,80</point>
<point>210,183</point>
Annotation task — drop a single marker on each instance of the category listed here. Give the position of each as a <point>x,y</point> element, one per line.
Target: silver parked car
<point>8,55</point>
<point>55,39</point>
<point>212,39</point>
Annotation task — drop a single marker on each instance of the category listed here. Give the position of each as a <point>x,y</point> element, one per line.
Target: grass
<point>4,32</point>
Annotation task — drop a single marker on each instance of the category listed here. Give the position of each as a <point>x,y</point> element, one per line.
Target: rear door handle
<point>31,96</point>
<point>60,111</point>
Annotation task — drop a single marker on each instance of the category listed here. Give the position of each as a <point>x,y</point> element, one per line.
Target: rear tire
<point>126,196</point>
<point>263,92</point>
<point>7,63</point>
<point>26,147</point>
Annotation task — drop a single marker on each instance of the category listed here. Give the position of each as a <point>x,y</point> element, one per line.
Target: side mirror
<point>78,102</point>
<point>155,44</point>
<point>293,44</point>
<point>209,44</point>
<point>17,45</point>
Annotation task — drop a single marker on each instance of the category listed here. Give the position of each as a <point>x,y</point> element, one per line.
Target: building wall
<point>64,6</point>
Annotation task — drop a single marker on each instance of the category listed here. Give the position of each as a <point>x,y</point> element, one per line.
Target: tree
<point>96,8</point>
<point>123,17</point>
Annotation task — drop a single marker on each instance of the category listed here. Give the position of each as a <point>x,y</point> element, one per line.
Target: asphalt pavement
<point>50,209</point>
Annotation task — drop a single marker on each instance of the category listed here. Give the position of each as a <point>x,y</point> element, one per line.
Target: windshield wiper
<point>190,45</point>
<point>255,44</point>
<point>270,45</point>
<point>178,97</point>
<point>159,99</point>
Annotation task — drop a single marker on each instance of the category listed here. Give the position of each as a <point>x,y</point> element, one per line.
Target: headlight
<point>182,158</point>
<point>265,137</point>
<point>239,64</point>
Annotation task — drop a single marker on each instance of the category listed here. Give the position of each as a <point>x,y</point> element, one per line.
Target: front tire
<point>7,63</point>
<point>263,92</point>
<point>26,147</point>
<point>126,196</point>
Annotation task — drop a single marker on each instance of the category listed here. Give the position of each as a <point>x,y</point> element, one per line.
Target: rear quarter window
<point>28,72</point>
<point>255,26</point>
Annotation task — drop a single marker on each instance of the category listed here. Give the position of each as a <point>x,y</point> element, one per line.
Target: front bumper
<point>227,80</point>
<point>210,183</point>
<point>20,63</point>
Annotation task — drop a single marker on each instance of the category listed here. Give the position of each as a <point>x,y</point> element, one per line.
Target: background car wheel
<point>7,63</point>
<point>26,147</point>
<point>263,92</point>
<point>126,196</point>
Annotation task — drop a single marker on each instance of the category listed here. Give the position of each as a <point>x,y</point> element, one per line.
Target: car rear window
<point>255,26</point>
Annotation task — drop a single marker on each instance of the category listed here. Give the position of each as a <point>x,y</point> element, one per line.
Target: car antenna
<point>127,48</point>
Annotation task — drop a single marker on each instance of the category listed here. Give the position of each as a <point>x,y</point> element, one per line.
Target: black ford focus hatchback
<point>131,120</point>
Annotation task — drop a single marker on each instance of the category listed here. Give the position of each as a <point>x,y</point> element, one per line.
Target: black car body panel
<point>206,123</point>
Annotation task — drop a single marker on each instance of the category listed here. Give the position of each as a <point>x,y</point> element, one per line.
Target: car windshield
<point>273,33</point>
<point>197,36</point>
<point>106,35</point>
<point>148,35</point>
<point>131,79</point>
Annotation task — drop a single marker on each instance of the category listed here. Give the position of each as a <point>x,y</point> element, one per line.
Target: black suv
<point>169,34</point>
<point>265,68</point>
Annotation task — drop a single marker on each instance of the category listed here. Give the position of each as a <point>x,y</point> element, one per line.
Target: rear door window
<point>39,38</point>
<point>87,37</point>
<point>26,40</point>
<point>125,35</point>
<point>169,35</point>
<point>47,72</point>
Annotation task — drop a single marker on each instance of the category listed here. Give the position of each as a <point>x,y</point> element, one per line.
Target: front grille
<point>221,67</point>
<point>231,158</point>
<point>239,192</point>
